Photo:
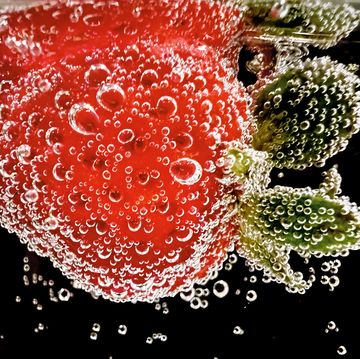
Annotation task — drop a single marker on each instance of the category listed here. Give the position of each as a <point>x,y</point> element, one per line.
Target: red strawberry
<point>116,118</point>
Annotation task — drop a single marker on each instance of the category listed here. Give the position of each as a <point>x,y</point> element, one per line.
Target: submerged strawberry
<point>127,152</point>
<point>116,120</point>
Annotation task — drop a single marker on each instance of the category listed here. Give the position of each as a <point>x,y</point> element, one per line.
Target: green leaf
<point>276,221</point>
<point>307,113</point>
<point>305,220</point>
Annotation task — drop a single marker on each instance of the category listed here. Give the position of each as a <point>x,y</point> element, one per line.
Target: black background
<point>276,325</point>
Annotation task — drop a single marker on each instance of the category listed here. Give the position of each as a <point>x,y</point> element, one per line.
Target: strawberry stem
<point>252,169</point>
<point>307,113</point>
<point>313,21</point>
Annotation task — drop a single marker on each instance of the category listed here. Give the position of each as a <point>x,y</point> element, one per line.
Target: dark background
<point>276,325</point>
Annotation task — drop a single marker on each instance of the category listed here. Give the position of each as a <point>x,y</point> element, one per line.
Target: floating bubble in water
<point>122,329</point>
<point>10,131</point>
<point>183,140</point>
<point>220,288</point>
<point>64,294</point>
<point>93,336</point>
<point>62,100</point>
<point>23,154</point>
<point>341,350</point>
<point>251,296</point>
<point>238,330</point>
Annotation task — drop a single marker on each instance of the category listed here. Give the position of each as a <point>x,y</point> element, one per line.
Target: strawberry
<point>116,119</point>
<point>129,155</point>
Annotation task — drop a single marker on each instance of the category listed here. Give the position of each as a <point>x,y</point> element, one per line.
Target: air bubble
<point>23,154</point>
<point>83,119</point>
<point>31,196</point>
<point>341,350</point>
<point>184,235</point>
<point>53,136</point>
<point>220,288</point>
<point>96,327</point>
<point>96,74</point>
<point>126,135</point>
<point>134,224</point>
<point>251,296</point>
<point>62,100</point>
<point>59,172</point>
<point>183,140</point>
<point>115,195</point>
<point>10,131</point>
<point>110,97</point>
<point>167,106</point>
<point>50,223</point>
<point>93,20</point>
<point>148,77</point>
<point>186,171</point>
<point>64,294</point>
<point>238,330</point>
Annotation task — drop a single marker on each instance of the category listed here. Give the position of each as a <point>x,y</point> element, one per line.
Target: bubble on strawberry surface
<point>148,77</point>
<point>186,171</point>
<point>167,105</point>
<point>126,135</point>
<point>62,100</point>
<point>110,97</point>
<point>96,74</point>
<point>9,131</point>
<point>23,154</point>
<point>83,119</point>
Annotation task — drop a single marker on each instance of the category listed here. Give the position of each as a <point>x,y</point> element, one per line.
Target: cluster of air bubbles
<point>122,329</point>
<point>95,331</point>
<point>231,260</point>
<point>252,169</point>
<point>40,327</point>
<point>332,281</point>
<point>331,327</point>
<point>163,307</point>
<point>156,336</point>
<point>307,113</point>
<point>238,330</point>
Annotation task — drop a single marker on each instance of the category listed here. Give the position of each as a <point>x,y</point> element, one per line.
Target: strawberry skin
<point>115,124</point>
